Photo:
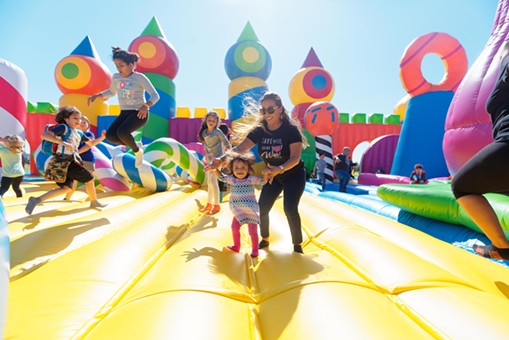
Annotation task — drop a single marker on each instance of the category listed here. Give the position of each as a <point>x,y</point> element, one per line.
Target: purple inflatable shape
<point>380,154</point>
<point>468,125</point>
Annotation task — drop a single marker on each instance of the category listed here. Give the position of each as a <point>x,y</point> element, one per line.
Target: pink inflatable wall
<point>468,125</point>
<point>185,130</point>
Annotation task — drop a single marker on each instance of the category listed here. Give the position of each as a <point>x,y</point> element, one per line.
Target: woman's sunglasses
<point>270,110</point>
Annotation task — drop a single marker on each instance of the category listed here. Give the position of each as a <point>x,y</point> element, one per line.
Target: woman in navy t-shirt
<point>279,142</point>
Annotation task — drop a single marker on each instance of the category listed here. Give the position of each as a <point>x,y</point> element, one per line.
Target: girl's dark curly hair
<point>247,158</point>
<point>65,112</point>
<point>125,56</point>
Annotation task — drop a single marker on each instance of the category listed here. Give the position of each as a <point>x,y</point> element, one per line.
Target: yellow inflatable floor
<point>149,266</point>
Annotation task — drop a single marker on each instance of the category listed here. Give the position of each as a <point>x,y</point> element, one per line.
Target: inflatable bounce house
<point>151,266</point>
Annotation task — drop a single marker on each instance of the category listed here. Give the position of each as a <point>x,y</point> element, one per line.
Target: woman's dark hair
<point>125,56</point>
<point>253,118</point>
<point>204,124</point>
<point>65,112</point>
<point>285,118</point>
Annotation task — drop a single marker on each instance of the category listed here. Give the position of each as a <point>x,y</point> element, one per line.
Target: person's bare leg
<point>69,194</point>
<point>54,193</point>
<point>33,201</point>
<point>90,188</point>
<point>482,213</point>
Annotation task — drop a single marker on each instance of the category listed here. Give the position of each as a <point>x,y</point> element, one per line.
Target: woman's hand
<point>270,172</point>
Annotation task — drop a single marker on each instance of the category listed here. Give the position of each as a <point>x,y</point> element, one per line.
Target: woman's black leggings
<point>6,183</point>
<point>485,172</point>
<point>293,183</point>
<point>120,130</point>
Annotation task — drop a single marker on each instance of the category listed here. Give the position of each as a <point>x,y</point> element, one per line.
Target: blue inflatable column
<point>422,134</point>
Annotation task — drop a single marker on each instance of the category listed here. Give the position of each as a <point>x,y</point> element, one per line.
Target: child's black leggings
<point>6,183</point>
<point>293,183</point>
<point>485,172</point>
<point>120,130</point>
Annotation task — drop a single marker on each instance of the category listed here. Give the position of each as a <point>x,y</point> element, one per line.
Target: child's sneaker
<point>234,248</point>
<point>97,204</point>
<point>215,209</point>
<point>32,202</point>
<point>206,208</point>
<point>139,155</point>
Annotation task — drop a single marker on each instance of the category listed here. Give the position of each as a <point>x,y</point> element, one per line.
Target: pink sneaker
<point>234,248</point>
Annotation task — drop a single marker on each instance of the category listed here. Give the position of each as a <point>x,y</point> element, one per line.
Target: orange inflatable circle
<point>79,79</point>
<point>447,48</point>
<point>151,49</point>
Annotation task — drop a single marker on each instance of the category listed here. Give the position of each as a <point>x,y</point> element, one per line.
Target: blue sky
<point>359,43</point>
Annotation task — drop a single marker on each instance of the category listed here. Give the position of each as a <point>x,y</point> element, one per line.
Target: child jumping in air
<point>243,202</point>
<point>130,87</point>
<point>11,149</point>
<point>66,165</point>
<point>215,143</point>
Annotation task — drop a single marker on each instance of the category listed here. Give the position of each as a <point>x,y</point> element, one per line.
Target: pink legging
<point>253,232</point>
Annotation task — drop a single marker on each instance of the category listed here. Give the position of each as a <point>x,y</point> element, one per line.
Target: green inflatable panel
<point>308,154</point>
<point>435,200</point>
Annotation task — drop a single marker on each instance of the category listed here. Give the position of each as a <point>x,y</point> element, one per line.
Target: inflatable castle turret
<point>313,84</point>
<point>248,64</point>
<point>160,63</point>
<point>80,75</point>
